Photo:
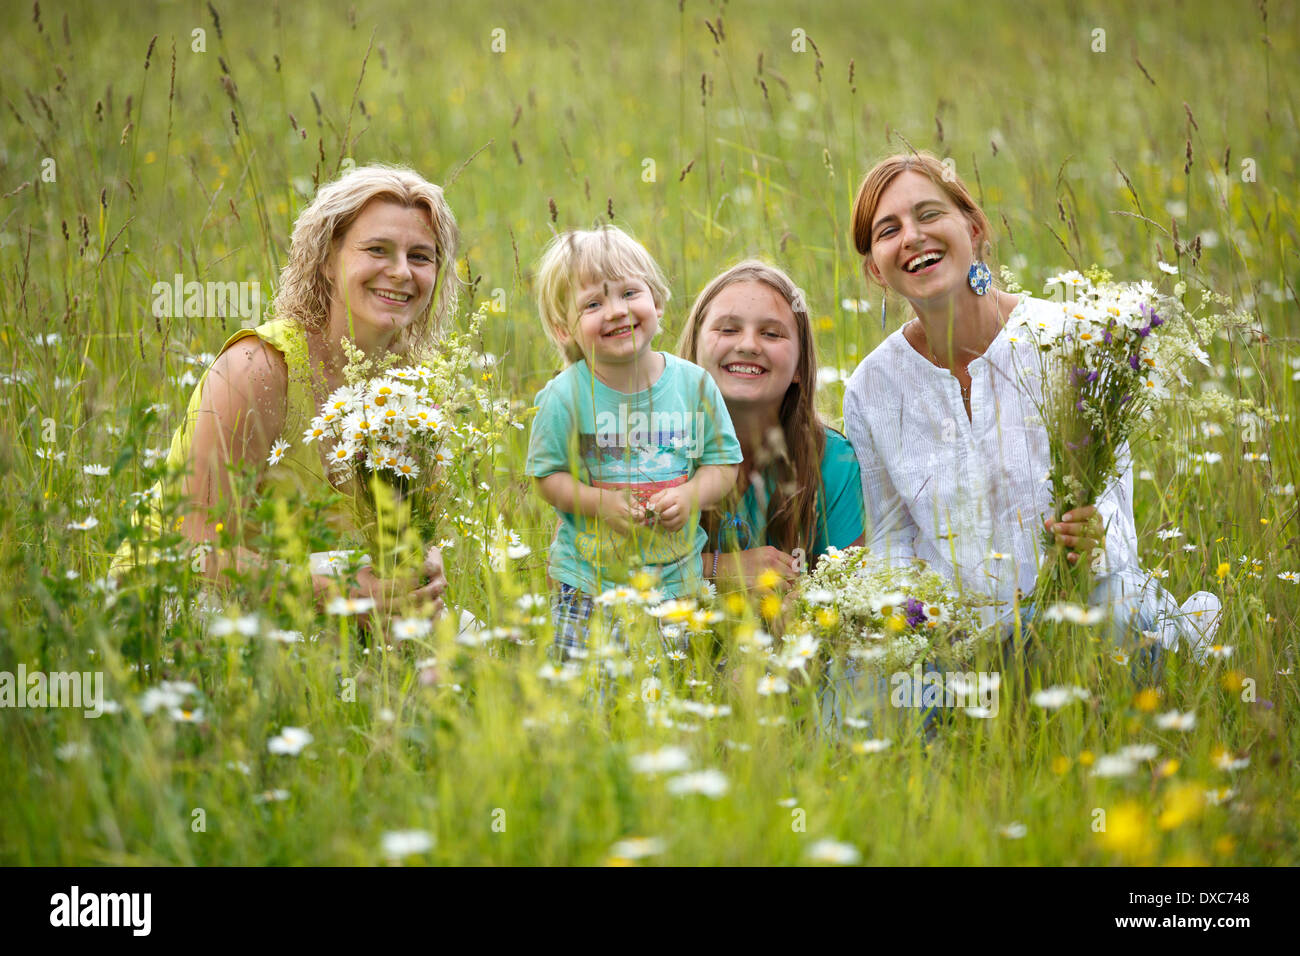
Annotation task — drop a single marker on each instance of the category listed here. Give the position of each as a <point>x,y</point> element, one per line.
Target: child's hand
<point>742,569</point>
<point>619,510</point>
<point>672,507</point>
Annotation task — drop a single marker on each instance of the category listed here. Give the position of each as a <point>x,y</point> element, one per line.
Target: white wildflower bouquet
<point>411,437</point>
<point>1119,351</point>
<point>889,617</point>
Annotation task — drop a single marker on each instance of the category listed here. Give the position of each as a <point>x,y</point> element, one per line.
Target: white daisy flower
<point>664,760</point>
<point>1074,614</point>
<point>342,453</point>
<point>247,625</point>
<point>397,844</point>
<point>1056,697</point>
<point>558,673</point>
<point>1113,765</point>
<point>289,741</point>
<point>1173,720</point>
<point>800,650</point>
<point>637,848</point>
<point>832,851</point>
<point>277,451</point>
<point>861,747</point>
<point>346,605</point>
<point>73,750</point>
<point>711,783</point>
<point>1226,761</point>
<point>1139,752</point>
<point>772,684</point>
<point>406,628</point>
<point>707,711</point>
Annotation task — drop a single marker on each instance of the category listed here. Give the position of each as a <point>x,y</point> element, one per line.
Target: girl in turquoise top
<point>799,491</point>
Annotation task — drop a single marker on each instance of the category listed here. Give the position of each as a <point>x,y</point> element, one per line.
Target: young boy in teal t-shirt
<point>629,444</point>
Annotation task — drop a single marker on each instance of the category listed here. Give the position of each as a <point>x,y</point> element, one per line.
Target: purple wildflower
<point>915,612</point>
<point>1133,362</point>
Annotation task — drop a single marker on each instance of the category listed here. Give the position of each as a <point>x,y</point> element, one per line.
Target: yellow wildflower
<point>1126,831</point>
<point>1183,803</point>
<point>1147,700</point>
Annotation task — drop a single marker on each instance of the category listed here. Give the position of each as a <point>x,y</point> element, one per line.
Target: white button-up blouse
<point>967,496</point>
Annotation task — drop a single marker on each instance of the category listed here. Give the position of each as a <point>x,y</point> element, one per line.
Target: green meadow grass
<point>128,158</point>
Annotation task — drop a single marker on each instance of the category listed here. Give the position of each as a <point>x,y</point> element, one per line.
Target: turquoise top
<point>643,441</point>
<point>839,506</point>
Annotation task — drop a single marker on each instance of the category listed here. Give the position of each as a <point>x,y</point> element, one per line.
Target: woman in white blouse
<point>943,418</point>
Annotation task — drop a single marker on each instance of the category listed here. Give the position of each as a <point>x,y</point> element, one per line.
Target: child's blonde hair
<point>582,256</point>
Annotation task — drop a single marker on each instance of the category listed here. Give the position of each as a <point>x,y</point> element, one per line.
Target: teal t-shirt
<point>644,441</point>
<point>839,506</point>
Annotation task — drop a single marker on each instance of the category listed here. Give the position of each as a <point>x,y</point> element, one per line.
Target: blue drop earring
<point>979,278</point>
<point>882,311</point>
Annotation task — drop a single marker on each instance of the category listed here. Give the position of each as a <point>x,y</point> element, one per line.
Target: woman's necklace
<point>965,389</point>
<point>934,359</point>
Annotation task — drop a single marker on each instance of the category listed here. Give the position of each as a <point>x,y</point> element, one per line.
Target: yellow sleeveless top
<point>299,475</point>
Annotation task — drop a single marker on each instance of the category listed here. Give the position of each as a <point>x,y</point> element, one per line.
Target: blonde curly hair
<point>305,286</point>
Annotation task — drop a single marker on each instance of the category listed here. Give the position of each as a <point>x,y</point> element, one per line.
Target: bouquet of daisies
<point>410,438</point>
<point>889,617</point>
<point>1119,351</point>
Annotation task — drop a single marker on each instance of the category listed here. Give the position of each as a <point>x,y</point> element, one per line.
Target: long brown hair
<point>795,453</point>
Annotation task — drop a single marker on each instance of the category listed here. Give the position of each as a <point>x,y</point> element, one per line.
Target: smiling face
<point>617,320</point>
<point>749,343</point>
<point>385,265</point>
<point>922,245</point>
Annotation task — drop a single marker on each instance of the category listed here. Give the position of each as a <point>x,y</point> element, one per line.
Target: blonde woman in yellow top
<point>371,260</point>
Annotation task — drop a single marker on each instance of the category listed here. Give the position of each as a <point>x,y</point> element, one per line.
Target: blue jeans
<point>848,690</point>
<point>1134,603</point>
